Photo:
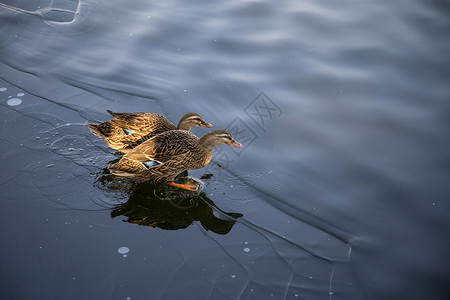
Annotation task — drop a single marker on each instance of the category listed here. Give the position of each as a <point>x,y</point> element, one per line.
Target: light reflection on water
<point>341,193</point>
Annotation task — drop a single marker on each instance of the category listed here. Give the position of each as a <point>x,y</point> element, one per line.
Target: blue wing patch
<point>151,163</point>
<point>128,132</point>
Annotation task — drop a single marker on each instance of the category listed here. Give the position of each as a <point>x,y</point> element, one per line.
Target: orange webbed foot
<point>191,186</point>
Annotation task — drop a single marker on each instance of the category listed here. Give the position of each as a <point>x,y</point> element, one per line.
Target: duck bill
<point>207,125</point>
<point>236,144</point>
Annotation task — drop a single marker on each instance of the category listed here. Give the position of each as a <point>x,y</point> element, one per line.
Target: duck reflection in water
<point>162,206</point>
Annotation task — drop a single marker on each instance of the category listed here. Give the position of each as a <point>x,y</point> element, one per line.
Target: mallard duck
<point>127,130</point>
<point>170,153</point>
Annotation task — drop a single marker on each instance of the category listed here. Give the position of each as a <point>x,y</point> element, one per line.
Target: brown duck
<point>127,130</point>
<point>170,153</point>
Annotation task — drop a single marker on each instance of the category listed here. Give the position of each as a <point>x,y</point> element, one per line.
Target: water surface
<point>340,191</point>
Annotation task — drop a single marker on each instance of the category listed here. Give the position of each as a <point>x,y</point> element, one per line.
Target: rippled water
<point>340,191</point>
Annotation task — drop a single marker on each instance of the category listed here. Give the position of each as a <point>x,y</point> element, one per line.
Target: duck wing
<point>142,122</point>
<point>167,146</point>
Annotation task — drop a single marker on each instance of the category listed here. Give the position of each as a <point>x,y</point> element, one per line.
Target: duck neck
<point>183,126</point>
<point>207,142</point>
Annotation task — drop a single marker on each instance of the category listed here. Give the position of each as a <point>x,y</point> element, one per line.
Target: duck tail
<point>96,130</point>
<point>117,170</point>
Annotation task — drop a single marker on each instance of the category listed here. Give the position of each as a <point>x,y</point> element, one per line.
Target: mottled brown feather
<point>177,150</point>
<point>143,125</point>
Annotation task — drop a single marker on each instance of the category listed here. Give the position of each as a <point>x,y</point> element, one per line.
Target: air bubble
<point>123,251</point>
<point>14,102</point>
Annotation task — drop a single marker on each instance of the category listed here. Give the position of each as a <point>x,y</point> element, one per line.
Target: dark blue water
<point>341,190</point>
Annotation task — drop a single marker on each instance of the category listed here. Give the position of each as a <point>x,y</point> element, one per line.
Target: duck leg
<point>191,186</point>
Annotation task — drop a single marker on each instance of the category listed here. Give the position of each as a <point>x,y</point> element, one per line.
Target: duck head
<point>190,120</point>
<point>218,137</point>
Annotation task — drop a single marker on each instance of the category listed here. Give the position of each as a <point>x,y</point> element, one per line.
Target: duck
<point>127,130</point>
<point>170,153</point>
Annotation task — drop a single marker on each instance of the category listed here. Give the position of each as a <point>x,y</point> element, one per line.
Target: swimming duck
<point>170,153</point>
<point>127,130</point>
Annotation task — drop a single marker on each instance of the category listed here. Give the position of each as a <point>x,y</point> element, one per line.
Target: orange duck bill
<point>205,124</point>
<point>235,144</point>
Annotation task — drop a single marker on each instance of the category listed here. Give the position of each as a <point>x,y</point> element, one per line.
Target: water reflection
<point>165,207</point>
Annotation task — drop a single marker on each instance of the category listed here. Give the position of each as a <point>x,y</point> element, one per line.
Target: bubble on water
<point>233,276</point>
<point>20,94</point>
<point>14,101</point>
<point>2,89</point>
<point>246,249</point>
<point>123,250</point>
